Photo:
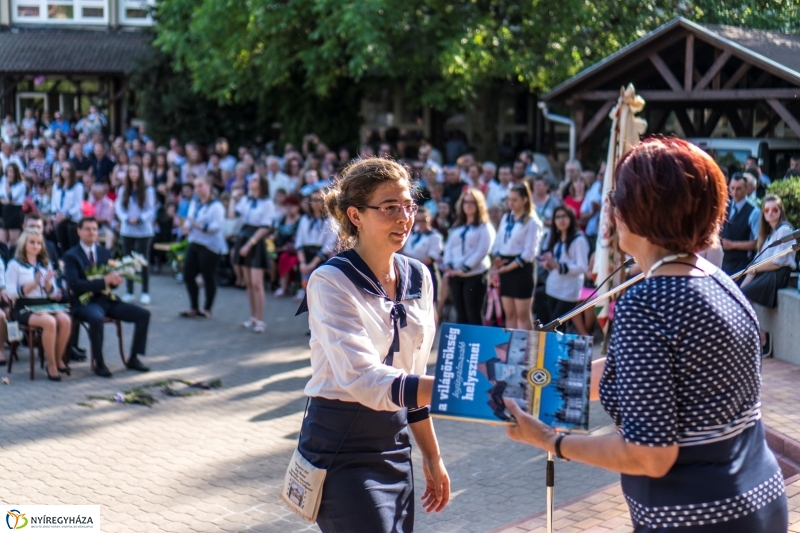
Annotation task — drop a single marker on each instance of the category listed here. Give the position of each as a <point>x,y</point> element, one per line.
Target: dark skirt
<point>369,485</point>
<point>20,314</point>
<point>731,486</point>
<point>763,290</point>
<point>258,256</point>
<point>518,283</point>
<point>13,217</point>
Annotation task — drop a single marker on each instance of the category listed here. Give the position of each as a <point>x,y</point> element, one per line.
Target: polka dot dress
<point>683,369</point>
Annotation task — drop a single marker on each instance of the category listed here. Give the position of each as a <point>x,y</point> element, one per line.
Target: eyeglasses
<point>772,210</point>
<point>394,210</point>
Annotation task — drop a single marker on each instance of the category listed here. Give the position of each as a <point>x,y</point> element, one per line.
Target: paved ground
<point>214,462</point>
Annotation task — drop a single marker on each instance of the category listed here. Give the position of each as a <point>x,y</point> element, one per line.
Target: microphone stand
<point>553,325</point>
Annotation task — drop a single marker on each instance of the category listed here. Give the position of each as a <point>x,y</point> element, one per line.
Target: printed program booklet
<point>547,374</point>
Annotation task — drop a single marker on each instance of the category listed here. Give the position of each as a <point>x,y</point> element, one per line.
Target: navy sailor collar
<point>409,277</point>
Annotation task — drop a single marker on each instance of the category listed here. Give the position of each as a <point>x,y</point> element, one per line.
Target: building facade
<point>68,55</point>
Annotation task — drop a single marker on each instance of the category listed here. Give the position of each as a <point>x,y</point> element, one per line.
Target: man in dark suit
<point>76,260</point>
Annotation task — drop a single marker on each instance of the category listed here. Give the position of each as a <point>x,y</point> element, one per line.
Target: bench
<point>782,322</point>
<point>163,246</point>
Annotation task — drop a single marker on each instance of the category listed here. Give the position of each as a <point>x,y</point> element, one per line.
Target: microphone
<point>791,237</point>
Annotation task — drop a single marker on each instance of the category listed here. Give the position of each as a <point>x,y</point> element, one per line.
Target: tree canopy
<point>441,51</point>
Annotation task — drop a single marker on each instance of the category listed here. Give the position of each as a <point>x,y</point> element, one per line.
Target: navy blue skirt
<point>370,484</point>
<point>731,486</point>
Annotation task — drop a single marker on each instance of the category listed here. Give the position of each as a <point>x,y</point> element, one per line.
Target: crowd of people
<point>504,233</point>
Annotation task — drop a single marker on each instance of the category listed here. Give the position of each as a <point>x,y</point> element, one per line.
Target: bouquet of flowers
<point>127,268</point>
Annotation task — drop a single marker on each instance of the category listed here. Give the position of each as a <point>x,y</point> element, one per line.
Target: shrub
<point>789,192</point>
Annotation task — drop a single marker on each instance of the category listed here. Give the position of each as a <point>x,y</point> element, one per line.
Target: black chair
<point>107,320</point>
<point>33,336</point>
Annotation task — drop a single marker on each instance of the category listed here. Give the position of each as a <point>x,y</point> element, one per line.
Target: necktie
<point>734,212</point>
<point>91,257</point>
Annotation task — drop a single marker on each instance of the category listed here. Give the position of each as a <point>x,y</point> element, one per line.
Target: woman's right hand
<point>437,485</point>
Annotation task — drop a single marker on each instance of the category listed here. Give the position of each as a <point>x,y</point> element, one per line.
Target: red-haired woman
<point>681,380</point>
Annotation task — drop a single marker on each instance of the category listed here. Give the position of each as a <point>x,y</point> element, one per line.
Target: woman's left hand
<point>244,250</point>
<point>437,485</point>
<point>529,429</point>
<point>550,263</point>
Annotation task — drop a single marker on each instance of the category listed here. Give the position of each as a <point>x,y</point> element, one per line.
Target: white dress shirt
<point>352,333</point>
<point>279,180</point>
<point>424,246</point>
<point>258,212</point>
<point>19,275</point>
<point>467,248</point>
<point>210,216</point>
<point>518,238</point>
<point>320,233</point>
<point>565,282</point>
<point>18,191</point>
<point>68,202</point>
<point>497,193</point>
<point>88,249</point>
<point>145,215</point>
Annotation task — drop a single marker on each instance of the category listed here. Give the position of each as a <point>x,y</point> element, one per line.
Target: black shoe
<point>76,354</point>
<point>51,378</point>
<point>64,370</point>
<point>135,364</point>
<point>80,350</point>
<point>102,370</point>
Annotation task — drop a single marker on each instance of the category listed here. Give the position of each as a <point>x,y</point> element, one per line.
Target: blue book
<point>547,374</point>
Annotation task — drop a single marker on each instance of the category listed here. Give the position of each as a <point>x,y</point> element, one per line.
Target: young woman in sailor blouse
<point>258,212</point>
<point>425,245</point>
<point>66,204</point>
<point>136,209</point>
<point>315,240</point>
<point>466,256</point>
<point>371,315</point>
<point>514,252</point>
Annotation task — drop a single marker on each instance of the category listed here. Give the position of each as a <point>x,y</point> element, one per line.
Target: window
<point>136,12</point>
<point>61,11</point>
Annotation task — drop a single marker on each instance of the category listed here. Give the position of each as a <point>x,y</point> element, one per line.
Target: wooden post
<point>688,65</point>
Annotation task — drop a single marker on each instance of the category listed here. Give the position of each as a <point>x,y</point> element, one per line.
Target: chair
<point>107,320</point>
<point>33,336</point>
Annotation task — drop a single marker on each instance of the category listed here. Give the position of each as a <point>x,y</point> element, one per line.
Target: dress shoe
<point>102,370</point>
<point>80,350</point>
<point>75,355</point>
<point>135,364</point>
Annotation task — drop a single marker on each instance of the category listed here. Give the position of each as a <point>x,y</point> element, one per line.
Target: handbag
<point>303,482</point>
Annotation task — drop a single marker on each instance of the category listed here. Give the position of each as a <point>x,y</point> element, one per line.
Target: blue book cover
<point>547,374</point>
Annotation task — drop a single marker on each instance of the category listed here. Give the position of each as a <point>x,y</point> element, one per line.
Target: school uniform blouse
<point>424,245</point>
<point>318,232</point>
<point>210,216</point>
<point>258,212</point>
<point>19,275</point>
<point>68,202</point>
<point>787,260</point>
<point>18,192</point>
<point>518,238</point>
<point>467,248</point>
<point>145,215</point>
<point>352,333</point>
<point>565,282</point>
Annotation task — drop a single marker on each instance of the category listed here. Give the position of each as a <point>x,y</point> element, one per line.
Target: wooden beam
<point>771,123</point>
<point>688,65</point>
<point>713,119</point>
<point>657,125</point>
<point>686,124</point>
<point>695,96</point>
<point>737,76</point>
<point>736,122</point>
<point>712,71</point>
<point>786,115</point>
<point>596,120</point>
<point>761,80</point>
<point>665,72</point>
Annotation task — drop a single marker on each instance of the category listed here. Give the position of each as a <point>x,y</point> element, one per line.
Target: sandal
<point>203,314</point>
<point>191,313</point>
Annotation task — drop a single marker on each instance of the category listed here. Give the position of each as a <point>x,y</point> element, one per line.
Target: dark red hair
<point>671,193</point>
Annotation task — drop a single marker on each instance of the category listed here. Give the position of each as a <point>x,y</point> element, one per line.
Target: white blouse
<point>316,232</point>
<point>256,211</point>
<point>68,202</point>
<point>518,238</point>
<point>19,275</point>
<point>18,191</point>
<point>424,246</point>
<point>565,282</point>
<point>467,248</point>
<point>210,216</point>
<point>352,333</point>
<point>145,215</point>
<point>787,260</point>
